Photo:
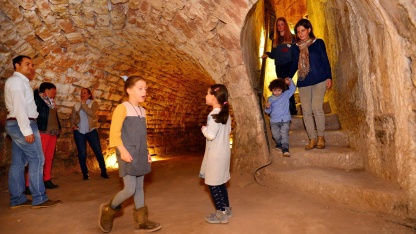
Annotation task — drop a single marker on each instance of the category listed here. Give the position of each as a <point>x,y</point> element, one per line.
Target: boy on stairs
<point>277,107</point>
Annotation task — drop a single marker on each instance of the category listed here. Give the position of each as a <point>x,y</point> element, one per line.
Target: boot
<point>141,222</point>
<point>311,145</point>
<point>106,216</point>
<point>105,175</point>
<point>321,142</point>
<point>50,185</point>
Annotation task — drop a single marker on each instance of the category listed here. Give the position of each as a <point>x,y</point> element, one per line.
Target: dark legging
<point>219,194</point>
<point>94,141</point>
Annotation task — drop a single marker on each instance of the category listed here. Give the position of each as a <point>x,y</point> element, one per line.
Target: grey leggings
<point>133,185</point>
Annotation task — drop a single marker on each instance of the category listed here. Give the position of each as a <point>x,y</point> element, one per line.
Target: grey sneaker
<point>218,217</point>
<point>285,152</point>
<point>228,211</point>
<point>26,203</point>
<point>46,204</point>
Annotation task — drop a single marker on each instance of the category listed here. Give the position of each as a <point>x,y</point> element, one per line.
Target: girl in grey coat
<point>215,167</point>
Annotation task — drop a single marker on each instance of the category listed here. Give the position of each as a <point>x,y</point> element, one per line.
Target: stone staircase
<point>335,173</point>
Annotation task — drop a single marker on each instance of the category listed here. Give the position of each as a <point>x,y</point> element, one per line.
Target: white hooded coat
<point>215,166</point>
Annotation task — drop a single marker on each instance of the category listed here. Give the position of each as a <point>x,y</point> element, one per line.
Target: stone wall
<point>372,48</point>
<point>292,10</point>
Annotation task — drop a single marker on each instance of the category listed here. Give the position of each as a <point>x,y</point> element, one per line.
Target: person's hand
<point>125,156</point>
<point>75,128</point>
<point>267,105</point>
<point>203,127</point>
<point>287,80</point>
<point>264,56</point>
<point>149,158</point>
<point>30,139</point>
<point>328,83</point>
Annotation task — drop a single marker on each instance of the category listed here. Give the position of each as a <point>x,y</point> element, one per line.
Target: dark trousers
<point>94,142</point>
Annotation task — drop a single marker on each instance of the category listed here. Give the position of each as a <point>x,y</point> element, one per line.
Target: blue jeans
<point>24,153</point>
<point>280,132</point>
<point>94,141</point>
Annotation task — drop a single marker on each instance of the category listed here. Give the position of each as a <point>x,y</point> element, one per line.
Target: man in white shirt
<point>26,143</point>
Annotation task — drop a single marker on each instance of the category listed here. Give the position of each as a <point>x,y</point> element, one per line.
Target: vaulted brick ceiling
<point>180,47</point>
<point>93,43</point>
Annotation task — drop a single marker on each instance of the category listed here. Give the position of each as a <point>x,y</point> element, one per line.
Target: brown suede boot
<point>321,142</point>
<point>106,216</point>
<point>311,145</point>
<point>141,222</point>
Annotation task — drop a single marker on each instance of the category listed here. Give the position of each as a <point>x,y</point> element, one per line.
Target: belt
<point>16,119</point>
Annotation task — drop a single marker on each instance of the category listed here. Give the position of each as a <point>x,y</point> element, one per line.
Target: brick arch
<point>179,47</point>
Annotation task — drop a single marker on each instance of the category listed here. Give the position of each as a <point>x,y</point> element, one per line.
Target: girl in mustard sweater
<point>128,135</point>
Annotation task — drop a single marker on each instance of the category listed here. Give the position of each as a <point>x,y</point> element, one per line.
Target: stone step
<point>331,122</point>
<point>330,157</point>
<point>358,190</point>
<point>338,138</point>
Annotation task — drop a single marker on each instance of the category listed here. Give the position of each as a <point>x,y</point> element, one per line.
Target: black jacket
<point>43,110</point>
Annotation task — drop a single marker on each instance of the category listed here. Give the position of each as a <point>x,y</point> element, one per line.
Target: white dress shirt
<point>20,103</point>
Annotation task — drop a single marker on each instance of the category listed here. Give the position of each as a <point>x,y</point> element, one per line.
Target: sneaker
<point>46,204</point>
<point>50,185</point>
<point>279,146</point>
<point>26,203</point>
<point>228,211</point>
<point>218,217</point>
<point>286,152</point>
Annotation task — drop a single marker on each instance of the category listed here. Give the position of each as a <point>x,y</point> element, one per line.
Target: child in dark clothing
<point>277,107</point>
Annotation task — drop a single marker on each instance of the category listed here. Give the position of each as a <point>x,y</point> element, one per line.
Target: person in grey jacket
<point>84,122</point>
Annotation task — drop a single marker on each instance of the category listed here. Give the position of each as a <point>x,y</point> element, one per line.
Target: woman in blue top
<point>314,78</point>
<point>283,42</point>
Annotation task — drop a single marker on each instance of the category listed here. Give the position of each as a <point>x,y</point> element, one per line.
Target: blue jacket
<point>282,53</point>
<point>318,61</point>
<point>279,106</point>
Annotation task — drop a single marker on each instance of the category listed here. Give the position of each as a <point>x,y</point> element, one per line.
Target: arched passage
<point>179,47</point>
<point>182,47</point>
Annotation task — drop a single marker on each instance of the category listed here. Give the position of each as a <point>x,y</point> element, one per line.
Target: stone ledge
<point>330,157</point>
<point>359,190</point>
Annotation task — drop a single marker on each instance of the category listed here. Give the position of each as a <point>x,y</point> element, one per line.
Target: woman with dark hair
<point>283,42</point>
<point>84,122</point>
<point>49,127</point>
<point>314,78</point>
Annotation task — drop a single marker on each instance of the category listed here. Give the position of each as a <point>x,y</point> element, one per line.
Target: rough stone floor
<point>179,200</point>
